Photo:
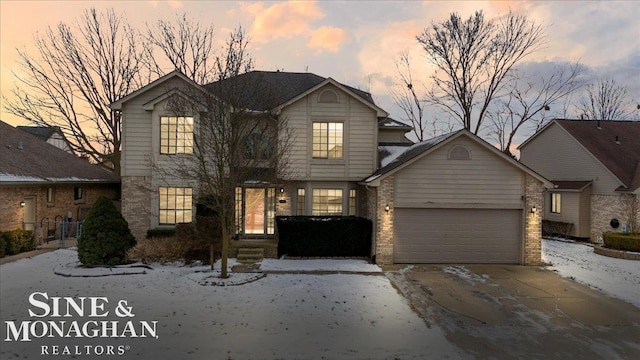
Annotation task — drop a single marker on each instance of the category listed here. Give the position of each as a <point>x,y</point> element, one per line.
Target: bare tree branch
<point>605,100</point>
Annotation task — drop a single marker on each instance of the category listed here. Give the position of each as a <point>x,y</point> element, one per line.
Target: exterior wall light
<point>534,210</point>
<point>387,208</point>
<point>22,204</point>
<point>281,190</point>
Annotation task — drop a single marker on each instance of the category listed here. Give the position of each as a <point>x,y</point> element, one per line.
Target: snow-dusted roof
<point>27,159</point>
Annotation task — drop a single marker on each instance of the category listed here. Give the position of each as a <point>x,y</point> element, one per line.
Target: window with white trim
<point>327,140</point>
<point>176,205</point>
<point>556,203</point>
<point>352,202</point>
<point>327,202</point>
<point>176,135</point>
<point>50,195</point>
<point>300,205</point>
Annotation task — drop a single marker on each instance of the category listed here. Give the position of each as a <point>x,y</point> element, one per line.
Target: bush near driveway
<point>622,241</point>
<point>106,237</point>
<point>324,236</point>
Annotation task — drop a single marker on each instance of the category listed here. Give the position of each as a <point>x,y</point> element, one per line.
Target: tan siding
<point>137,130</point>
<point>484,181</point>
<point>360,133</point>
<point>569,210</point>
<point>391,136</point>
<point>557,156</point>
<point>585,214</point>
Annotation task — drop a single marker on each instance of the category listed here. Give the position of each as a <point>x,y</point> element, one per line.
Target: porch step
<point>250,255</point>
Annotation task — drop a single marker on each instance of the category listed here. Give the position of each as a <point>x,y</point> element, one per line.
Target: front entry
<point>29,217</point>
<point>255,211</point>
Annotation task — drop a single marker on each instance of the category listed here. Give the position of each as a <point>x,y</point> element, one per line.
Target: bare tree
<point>529,101</point>
<point>406,97</point>
<point>76,72</point>
<point>186,45</point>
<point>235,143</point>
<point>473,59</point>
<point>605,100</point>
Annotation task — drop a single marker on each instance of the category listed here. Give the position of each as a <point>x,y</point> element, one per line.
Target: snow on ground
<point>616,277</point>
<point>280,316</point>
<point>319,265</point>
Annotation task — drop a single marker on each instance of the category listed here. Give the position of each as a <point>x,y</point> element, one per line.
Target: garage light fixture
<point>387,208</point>
<point>534,210</point>
<point>22,204</point>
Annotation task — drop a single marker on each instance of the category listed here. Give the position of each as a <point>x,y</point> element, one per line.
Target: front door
<point>257,211</point>
<point>29,217</point>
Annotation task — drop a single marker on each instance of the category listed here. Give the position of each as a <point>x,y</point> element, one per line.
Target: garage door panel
<point>457,235</point>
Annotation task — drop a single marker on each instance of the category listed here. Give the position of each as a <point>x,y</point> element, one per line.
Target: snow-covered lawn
<point>616,277</point>
<point>280,316</point>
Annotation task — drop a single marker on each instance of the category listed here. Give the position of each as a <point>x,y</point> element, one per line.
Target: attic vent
<point>459,152</point>
<point>328,96</point>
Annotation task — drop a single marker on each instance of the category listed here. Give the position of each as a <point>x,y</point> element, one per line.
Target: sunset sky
<point>354,42</point>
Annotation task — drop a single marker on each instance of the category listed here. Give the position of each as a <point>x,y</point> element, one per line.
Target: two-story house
<point>454,195</point>
<point>595,168</point>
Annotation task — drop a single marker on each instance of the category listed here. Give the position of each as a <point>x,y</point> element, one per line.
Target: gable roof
<point>42,132</point>
<point>27,159</point>
<point>421,149</point>
<point>393,124</point>
<point>117,105</point>
<point>615,144</point>
<point>268,90</point>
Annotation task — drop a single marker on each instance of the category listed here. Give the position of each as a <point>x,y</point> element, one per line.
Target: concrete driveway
<point>511,311</point>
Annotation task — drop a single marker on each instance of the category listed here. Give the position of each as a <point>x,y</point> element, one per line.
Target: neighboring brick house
<point>340,137</point>
<point>595,167</point>
<point>40,182</point>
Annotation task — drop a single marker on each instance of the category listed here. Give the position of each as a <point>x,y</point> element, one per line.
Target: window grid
<point>327,140</point>
<point>327,202</point>
<point>78,193</point>
<point>271,211</point>
<point>556,203</point>
<point>176,135</point>
<point>175,205</point>
<point>300,209</point>
<point>352,202</point>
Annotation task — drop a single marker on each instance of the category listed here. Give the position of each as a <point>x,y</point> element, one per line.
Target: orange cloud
<point>327,38</point>
<point>281,20</point>
<point>172,3</point>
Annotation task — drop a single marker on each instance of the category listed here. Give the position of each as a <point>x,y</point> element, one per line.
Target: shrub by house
<point>106,237</point>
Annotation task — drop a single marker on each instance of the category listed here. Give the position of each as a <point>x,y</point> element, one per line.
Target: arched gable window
<point>459,152</point>
<point>328,96</point>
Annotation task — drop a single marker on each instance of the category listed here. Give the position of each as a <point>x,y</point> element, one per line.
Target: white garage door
<point>457,235</point>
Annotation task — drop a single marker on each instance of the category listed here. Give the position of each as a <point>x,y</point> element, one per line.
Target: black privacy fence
<point>324,236</point>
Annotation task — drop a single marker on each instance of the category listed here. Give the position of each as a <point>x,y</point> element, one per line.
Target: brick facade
<point>12,214</point>
<point>604,208</point>
<point>136,200</point>
<point>533,221</point>
<point>384,228</point>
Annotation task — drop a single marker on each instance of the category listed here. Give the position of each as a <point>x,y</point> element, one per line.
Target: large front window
<point>255,211</point>
<point>327,202</point>
<point>176,135</point>
<point>175,205</point>
<point>327,140</point>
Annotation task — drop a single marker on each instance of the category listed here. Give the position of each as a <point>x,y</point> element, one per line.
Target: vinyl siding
<point>138,130</point>
<point>557,156</point>
<point>485,181</point>
<point>359,138</point>
<point>569,210</point>
<point>391,136</point>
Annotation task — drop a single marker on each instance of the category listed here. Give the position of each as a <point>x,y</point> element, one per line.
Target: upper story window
<point>176,135</point>
<point>78,193</point>
<point>258,147</point>
<point>556,203</point>
<point>327,140</point>
<point>328,96</point>
<point>175,205</point>
<point>50,195</point>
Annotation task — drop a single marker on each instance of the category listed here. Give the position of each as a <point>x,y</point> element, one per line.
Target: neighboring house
<point>338,134</point>
<point>595,166</point>
<point>51,134</point>
<point>40,183</point>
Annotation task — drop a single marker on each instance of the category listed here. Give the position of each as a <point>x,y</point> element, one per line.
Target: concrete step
<point>250,255</point>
